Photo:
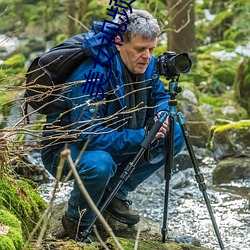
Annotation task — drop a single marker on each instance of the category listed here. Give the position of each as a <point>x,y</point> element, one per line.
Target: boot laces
<point>127,203</point>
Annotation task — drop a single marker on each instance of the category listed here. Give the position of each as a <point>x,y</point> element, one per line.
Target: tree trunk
<point>181,27</point>
<point>72,13</point>
<point>83,8</point>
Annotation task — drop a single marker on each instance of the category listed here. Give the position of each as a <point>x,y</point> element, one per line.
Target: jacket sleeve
<point>88,119</point>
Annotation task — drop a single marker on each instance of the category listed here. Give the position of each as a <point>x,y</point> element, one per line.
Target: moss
<point>128,244</point>
<point>16,61</point>
<point>212,100</point>
<point>6,243</point>
<point>16,237</point>
<point>225,75</point>
<point>236,125</point>
<point>22,200</point>
<point>238,128</point>
<point>9,219</point>
<point>13,239</point>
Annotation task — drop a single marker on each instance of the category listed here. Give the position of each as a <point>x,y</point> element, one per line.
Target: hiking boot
<point>121,211</point>
<point>75,231</point>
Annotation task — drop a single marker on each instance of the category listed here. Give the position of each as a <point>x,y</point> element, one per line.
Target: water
<point>188,215</point>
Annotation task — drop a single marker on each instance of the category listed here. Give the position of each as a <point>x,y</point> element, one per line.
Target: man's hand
<point>164,128</point>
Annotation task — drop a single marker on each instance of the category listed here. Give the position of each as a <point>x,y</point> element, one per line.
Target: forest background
<point>214,33</point>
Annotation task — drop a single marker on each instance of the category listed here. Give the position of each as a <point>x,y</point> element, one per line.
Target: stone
<point>230,140</point>
<point>231,169</point>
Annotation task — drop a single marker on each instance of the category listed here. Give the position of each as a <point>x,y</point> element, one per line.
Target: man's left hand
<point>163,129</point>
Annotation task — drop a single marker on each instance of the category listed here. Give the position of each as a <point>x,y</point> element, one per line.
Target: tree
<point>181,26</point>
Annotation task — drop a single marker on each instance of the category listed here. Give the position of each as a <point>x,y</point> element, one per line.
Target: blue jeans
<point>100,170</point>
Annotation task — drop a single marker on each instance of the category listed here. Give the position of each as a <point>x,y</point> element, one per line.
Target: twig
<point>137,236</point>
<point>45,217</point>
<point>99,238</point>
<point>77,21</point>
<point>66,154</point>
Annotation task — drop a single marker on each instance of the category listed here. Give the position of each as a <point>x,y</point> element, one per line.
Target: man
<point>112,128</point>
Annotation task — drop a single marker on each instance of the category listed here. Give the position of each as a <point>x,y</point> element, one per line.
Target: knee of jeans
<point>179,142</point>
<point>100,166</point>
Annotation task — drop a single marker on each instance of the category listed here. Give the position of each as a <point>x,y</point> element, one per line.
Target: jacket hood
<point>98,42</point>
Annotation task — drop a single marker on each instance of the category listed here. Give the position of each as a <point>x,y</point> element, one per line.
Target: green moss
<point>16,237</point>
<point>22,200</point>
<point>236,125</point>
<point>6,243</point>
<point>225,75</point>
<point>128,244</point>
<point>239,128</point>
<point>16,61</point>
<point>212,100</point>
<point>13,238</point>
<point>9,219</point>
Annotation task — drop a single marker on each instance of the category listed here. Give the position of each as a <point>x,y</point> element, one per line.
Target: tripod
<point>173,90</point>
<point>169,163</point>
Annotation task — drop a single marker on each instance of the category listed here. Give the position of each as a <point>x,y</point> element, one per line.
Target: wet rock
<point>150,234</point>
<point>232,139</point>
<point>231,169</point>
<point>197,125</point>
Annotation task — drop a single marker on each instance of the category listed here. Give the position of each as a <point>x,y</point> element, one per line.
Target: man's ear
<point>118,40</point>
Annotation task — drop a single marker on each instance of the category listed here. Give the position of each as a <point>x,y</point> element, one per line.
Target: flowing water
<point>187,212</point>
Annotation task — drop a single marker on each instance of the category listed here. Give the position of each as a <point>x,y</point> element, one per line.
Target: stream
<point>187,212</point>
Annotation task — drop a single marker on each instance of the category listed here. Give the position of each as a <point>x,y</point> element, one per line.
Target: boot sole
<point>121,219</point>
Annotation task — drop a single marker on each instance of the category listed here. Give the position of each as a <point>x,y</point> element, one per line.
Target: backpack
<point>47,74</point>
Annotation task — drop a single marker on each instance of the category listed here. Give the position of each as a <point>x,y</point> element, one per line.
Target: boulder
<point>197,125</point>
<point>150,235</point>
<point>231,169</point>
<point>230,140</point>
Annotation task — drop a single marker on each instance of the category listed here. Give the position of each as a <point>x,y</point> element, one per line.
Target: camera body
<point>171,65</point>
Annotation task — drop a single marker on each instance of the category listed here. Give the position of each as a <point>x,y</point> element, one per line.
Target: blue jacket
<point>98,120</point>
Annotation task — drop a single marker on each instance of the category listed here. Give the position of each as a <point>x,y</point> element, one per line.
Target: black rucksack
<point>48,73</point>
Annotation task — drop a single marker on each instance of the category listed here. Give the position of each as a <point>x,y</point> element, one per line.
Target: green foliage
<point>6,243</point>
<point>12,67</point>
<point>224,75</point>
<point>13,239</point>
<point>17,61</point>
<point>242,84</point>
<point>22,200</point>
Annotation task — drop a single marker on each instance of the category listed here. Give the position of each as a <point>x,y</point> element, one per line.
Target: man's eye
<point>139,49</point>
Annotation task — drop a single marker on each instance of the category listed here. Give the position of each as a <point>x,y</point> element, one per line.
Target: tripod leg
<point>168,173</point>
<point>199,177</point>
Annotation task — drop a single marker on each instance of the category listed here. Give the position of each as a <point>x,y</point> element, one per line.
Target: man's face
<point>137,53</point>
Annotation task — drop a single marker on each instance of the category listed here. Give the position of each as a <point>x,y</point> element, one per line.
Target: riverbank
<point>188,216</point>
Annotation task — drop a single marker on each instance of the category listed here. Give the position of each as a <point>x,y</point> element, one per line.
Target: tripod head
<point>174,89</point>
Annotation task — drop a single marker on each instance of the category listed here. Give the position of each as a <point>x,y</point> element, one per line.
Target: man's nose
<point>146,54</point>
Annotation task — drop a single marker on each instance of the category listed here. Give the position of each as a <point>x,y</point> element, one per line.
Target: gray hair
<point>140,23</point>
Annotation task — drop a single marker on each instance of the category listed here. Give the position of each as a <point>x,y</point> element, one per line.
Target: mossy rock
<point>231,169</point>
<point>219,107</point>
<point>10,231</point>
<point>22,200</point>
<point>225,75</point>
<point>232,139</point>
<point>242,85</point>
<point>128,244</point>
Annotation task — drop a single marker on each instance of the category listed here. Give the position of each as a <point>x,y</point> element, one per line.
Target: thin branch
<point>66,154</point>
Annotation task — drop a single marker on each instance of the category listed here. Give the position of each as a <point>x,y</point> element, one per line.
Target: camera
<point>171,65</point>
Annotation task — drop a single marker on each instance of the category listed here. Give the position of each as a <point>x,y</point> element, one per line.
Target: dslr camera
<point>171,65</point>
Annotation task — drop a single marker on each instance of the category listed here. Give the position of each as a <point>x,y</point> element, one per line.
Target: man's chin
<point>139,71</point>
